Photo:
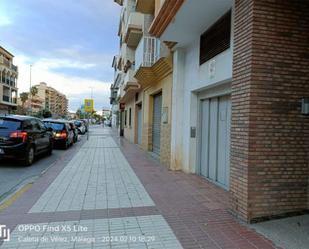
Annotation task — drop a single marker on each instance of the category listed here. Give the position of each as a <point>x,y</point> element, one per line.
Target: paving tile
<point>98,177</point>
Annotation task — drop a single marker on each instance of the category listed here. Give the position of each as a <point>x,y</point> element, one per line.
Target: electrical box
<point>305,106</point>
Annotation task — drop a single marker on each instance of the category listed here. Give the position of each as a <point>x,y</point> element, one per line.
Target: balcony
<point>130,86</point>
<point>145,6</point>
<point>127,53</point>
<point>4,61</point>
<point>146,51</point>
<point>129,81</point>
<point>151,61</point>
<point>134,29</point>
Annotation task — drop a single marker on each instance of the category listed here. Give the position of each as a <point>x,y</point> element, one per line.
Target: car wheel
<point>29,156</point>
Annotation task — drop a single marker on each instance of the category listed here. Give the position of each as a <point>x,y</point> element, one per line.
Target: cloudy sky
<point>70,43</point>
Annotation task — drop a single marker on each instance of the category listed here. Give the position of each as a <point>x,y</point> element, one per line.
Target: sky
<point>69,43</point>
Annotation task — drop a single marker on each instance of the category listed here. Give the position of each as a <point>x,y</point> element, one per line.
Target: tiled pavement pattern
<point>98,177</point>
<point>127,232</point>
<point>195,210</point>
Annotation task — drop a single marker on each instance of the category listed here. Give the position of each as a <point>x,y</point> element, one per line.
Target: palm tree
<point>23,97</point>
<point>34,91</point>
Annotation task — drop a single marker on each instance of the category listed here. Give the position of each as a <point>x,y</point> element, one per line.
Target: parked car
<point>24,137</point>
<point>85,121</point>
<point>63,135</point>
<point>75,131</point>
<point>80,126</point>
<point>108,123</point>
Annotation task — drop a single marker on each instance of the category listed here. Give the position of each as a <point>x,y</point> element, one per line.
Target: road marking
<point>14,197</point>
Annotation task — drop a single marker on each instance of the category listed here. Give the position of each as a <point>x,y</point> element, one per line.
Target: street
<point>13,175</point>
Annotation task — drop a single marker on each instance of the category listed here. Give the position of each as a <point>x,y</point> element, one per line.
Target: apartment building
<point>35,104</point>
<point>53,100</point>
<point>143,82</point>
<point>8,80</point>
<point>240,83</point>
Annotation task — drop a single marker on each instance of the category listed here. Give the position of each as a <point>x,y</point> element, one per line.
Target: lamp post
<point>30,90</point>
<point>91,87</point>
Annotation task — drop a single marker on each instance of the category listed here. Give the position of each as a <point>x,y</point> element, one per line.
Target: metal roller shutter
<point>139,125</point>
<point>156,125</point>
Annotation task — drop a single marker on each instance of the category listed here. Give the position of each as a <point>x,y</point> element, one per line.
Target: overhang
<point>190,21</point>
<point>147,76</point>
<point>145,6</point>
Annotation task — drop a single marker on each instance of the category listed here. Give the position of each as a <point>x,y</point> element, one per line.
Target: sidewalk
<point>107,193</point>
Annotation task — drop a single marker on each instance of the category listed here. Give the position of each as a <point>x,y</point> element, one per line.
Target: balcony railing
<point>147,52</point>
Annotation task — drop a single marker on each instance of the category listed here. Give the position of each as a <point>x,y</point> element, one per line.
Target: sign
<point>88,107</point>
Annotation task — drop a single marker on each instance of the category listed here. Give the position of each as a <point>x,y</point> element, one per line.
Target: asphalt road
<point>13,175</point>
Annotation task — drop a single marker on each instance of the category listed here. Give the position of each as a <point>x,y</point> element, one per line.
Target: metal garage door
<point>156,126</point>
<point>139,124</point>
<point>215,139</point>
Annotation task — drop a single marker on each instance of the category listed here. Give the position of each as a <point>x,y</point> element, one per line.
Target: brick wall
<point>269,136</point>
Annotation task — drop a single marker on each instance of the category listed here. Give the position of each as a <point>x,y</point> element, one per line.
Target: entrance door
<point>215,139</point>
<point>156,125</point>
<point>139,124</point>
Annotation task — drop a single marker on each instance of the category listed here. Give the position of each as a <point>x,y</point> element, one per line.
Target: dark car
<point>23,138</point>
<point>75,131</point>
<point>63,134</point>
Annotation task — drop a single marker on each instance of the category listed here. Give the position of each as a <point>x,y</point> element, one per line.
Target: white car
<point>80,127</point>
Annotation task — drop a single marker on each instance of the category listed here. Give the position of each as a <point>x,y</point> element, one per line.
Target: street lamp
<point>30,90</point>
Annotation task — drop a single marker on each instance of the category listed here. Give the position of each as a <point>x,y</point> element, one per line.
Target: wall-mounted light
<point>305,106</point>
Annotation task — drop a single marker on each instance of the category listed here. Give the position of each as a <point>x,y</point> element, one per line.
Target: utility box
<point>305,106</point>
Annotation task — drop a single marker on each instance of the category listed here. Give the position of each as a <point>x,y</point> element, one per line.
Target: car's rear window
<point>55,126</point>
<point>10,124</point>
<point>78,123</point>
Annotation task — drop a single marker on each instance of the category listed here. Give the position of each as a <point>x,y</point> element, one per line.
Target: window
<point>216,39</point>
<point>130,113</point>
<point>55,126</point>
<point>41,125</point>
<point>35,125</point>
<point>27,125</point>
<point>10,124</point>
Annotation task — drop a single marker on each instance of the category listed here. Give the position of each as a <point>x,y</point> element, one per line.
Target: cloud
<point>76,88</point>
<point>70,44</point>
<point>4,20</point>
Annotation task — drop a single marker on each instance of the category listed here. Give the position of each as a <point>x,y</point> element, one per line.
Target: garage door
<point>215,139</point>
<point>156,125</point>
<point>139,124</point>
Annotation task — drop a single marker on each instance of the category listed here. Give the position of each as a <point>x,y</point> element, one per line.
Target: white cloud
<point>76,88</point>
<point>4,20</point>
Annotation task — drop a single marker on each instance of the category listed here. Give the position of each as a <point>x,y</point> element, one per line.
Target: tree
<point>34,91</point>
<point>46,113</point>
<point>23,97</point>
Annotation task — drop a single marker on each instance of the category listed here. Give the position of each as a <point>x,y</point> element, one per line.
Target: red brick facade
<point>269,136</point>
